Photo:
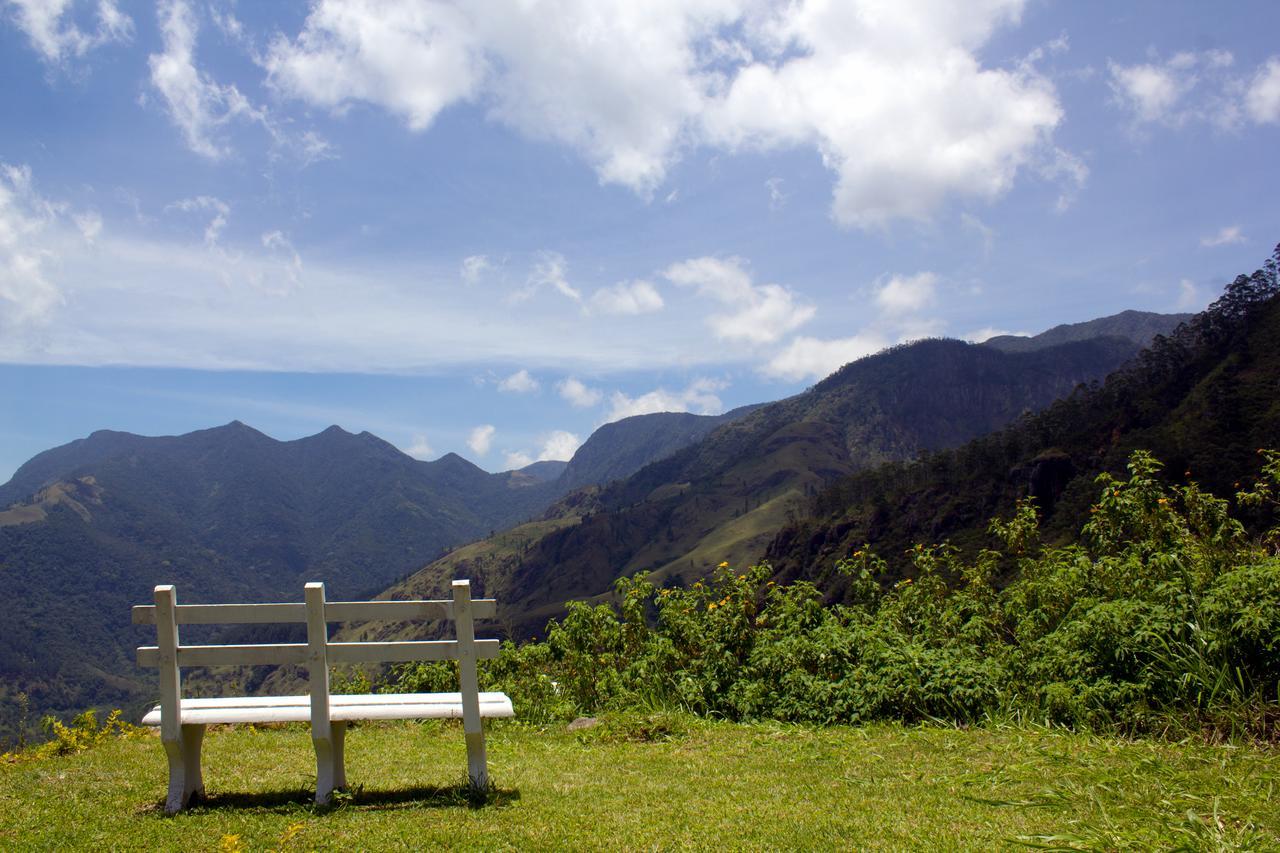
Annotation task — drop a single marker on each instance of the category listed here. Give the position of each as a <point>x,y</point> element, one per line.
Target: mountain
<point>230,514</point>
<point>1202,400</point>
<point>623,447</point>
<point>1139,327</point>
<point>726,496</point>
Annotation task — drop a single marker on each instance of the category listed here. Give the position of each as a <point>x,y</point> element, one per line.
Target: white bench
<point>182,721</point>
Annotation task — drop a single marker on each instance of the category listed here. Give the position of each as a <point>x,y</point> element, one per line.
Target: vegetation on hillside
<point>1201,399</point>
<point>1164,615</point>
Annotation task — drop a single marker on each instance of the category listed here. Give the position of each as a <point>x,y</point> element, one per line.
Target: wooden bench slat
<point>297,709</point>
<point>254,655</point>
<point>411,650</point>
<point>334,611</point>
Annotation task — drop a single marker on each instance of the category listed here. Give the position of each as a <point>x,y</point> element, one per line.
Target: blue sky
<point>491,227</point>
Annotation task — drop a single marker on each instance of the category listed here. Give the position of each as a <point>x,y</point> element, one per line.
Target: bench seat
<point>342,707</point>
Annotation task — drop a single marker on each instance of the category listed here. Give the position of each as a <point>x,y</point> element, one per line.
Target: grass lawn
<point>661,782</point>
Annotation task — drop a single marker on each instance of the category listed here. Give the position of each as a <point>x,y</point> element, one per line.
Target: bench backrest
<point>318,653</point>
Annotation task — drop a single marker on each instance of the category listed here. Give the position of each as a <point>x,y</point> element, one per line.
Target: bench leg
<point>331,771</point>
<point>477,764</point>
<point>186,782</point>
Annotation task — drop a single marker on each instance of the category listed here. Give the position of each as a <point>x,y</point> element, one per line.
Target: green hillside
<point>1203,400</point>
<point>726,496</point>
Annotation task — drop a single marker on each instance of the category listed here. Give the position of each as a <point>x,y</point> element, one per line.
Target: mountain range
<point>232,514</point>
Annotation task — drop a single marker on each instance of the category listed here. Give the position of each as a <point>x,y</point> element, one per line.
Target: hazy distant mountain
<point>1140,327</point>
<point>621,448</point>
<point>726,496</point>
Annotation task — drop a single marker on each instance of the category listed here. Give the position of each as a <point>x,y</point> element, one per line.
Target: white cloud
<point>776,196</point>
<point>1262,100</point>
<point>627,298</point>
<point>761,313</point>
<point>197,104</point>
<point>211,204</point>
<point>517,459</point>
<point>412,59</point>
<point>988,332</point>
<point>1196,87</point>
<point>895,99</point>
<point>559,445</point>
<point>1190,297</point>
<point>893,96</point>
<point>548,270</point>
<point>578,394</point>
<point>899,304</point>
<point>420,448</point>
<point>286,273</point>
<point>1227,236</point>
<point>906,294</point>
<point>481,439</point>
<point>90,225</point>
<point>811,358</point>
<point>473,267</point>
<point>699,397</point>
<point>519,382</point>
<point>57,38</point>
<point>26,292</point>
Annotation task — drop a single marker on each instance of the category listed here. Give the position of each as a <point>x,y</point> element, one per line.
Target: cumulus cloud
<point>413,59</point>
<point>1262,100</point>
<point>1190,297</point>
<point>895,99</point>
<point>197,104</point>
<point>420,448</point>
<point>473,267</point>
<point>699,397</point>
<point>812,358</point>
<point>519,382</point>
<point>986,333</point>
<point>578,394</point>
<point>481,439</point>
<point>1227,236</point>
<point>906,294</point>
<point>559,445</point>
<point>1197,87</point>
<point>901,303</point>
<point>517,459</point>
<point>627,298</point>
<point>759,314</point>
<point>57,38</point>
<point>893,96</point>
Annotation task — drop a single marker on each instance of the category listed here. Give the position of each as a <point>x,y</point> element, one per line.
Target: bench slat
<point>297,709</point>
<point>335,611</point>
<point>255,655</point>
<point>415,650</point>
<point>226,614</point>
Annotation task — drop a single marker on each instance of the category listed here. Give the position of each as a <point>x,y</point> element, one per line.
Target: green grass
<point>662,782</point>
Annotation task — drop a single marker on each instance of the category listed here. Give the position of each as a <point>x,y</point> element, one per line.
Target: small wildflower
<point>711,606</point>
<point>723,565</point>
<point>1163,501</point>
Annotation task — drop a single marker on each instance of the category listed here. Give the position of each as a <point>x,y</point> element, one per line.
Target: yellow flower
<point>711,606</point>
<point>723,565</point>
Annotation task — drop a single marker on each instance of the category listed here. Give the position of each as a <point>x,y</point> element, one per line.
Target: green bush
<point>1163,608</point>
